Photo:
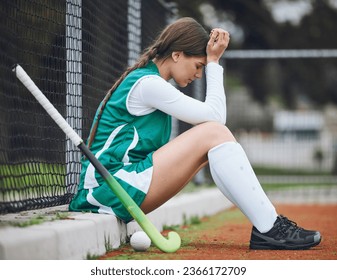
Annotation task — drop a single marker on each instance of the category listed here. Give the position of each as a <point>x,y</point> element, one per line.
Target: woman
<point>132,127</point>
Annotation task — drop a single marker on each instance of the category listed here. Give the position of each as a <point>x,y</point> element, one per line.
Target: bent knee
<point>216,133</point>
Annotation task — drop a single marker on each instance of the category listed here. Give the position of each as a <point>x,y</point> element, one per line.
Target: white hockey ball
<point>140,241</point>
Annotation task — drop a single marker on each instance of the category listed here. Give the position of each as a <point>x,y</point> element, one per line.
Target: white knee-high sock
<point>235,177</point>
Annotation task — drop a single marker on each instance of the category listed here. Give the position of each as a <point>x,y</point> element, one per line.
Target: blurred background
<point>280,82</point>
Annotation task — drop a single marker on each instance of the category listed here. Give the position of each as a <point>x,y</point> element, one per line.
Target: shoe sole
<point>274,245</point>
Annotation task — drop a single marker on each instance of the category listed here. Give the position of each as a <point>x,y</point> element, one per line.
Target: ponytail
<point>148,55</point>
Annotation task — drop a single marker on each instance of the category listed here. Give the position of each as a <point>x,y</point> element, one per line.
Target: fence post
<point>73,88</point>
<point>134,30</point>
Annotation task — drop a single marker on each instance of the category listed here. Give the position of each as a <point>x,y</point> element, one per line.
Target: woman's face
<point>186,69</point>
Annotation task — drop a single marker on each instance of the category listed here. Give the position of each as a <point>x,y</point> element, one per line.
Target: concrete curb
<point>87,234</point>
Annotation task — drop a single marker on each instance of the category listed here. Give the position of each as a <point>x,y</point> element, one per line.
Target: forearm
<point>155,93</point>
<point>215,92</point>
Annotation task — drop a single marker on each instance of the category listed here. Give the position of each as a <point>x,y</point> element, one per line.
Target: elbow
<point>224,119</point>
<point>220,118</point>
<point>220,114</point>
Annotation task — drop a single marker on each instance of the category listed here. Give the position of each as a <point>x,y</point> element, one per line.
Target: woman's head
<point>180,51</point>
<point>184,35</point>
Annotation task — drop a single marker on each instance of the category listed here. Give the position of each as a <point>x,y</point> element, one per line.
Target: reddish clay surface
<point>226,237</point>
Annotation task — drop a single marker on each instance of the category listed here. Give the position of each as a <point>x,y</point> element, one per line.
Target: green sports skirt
<point>134,178</point>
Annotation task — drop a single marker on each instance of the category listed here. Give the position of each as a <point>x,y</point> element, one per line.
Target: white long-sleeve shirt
<point>153,92</point>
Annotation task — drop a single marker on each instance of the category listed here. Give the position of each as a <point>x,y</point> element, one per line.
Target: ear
<point>176,56</point>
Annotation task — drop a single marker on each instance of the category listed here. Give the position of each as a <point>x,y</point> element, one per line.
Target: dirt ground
<point>226,236</point>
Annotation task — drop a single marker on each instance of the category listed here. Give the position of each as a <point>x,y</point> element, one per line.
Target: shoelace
<point>285,225</point>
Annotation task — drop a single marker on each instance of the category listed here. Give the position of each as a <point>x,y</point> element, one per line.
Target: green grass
<point>274,171</point>
<point>31,222</point>
<point>37,219</point>
<point>189,234</point>
<point>153,253</point>
<point>32,173</point>
<point>283,186</point>
<point>266,186</point>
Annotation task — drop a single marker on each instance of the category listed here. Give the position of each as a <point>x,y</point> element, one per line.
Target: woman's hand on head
<point>218,42</point>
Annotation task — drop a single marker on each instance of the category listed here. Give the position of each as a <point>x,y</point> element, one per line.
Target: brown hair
<point>185,35</point>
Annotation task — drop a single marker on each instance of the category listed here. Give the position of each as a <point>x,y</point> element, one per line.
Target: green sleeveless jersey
<point>124,144</point>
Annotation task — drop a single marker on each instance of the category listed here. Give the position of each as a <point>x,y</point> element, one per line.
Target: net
<point>73,50</point>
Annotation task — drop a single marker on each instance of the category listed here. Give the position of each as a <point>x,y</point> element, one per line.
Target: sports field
<point>226,236</point>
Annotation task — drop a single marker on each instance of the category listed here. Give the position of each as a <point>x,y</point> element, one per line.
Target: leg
<point>179,160</point>
<point>176,163</point>
<point>235,177</point>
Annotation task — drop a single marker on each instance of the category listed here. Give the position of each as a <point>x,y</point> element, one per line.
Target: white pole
<point>73,87</point>
<point>294,53</point>
<point>134,30</point>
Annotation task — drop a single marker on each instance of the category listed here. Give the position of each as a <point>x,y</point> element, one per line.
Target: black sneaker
<point>285,235</point>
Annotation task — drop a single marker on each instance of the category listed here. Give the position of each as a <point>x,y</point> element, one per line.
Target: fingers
<point>218,42</point>
<point>213,36</point>
<point>219,35</point>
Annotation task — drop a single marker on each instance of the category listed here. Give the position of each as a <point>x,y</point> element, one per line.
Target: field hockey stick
<point>169,245</point>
